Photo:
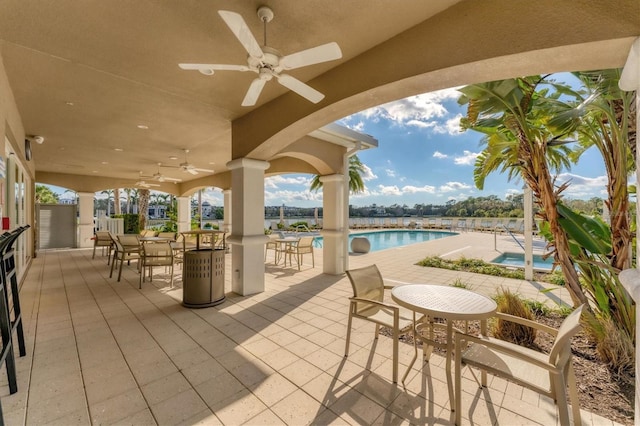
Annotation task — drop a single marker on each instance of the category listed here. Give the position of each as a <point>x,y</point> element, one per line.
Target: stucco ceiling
<point>86,74</point>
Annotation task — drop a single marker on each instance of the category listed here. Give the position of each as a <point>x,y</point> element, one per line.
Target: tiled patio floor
<point>104,352</point>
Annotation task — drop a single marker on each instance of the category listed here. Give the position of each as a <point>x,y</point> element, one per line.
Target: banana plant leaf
<point>590,233</point>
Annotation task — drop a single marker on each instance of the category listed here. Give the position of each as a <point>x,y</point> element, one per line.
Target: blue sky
<point>422,158</point>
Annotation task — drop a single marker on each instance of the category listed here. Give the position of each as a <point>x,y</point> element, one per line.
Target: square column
<point>334,246</point>
<point>226,220</point>
<point>85,225</point>
<point>247,214</point>
<point>184,214</point>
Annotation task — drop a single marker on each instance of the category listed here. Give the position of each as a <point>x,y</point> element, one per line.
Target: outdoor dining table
<point>287,243</point>
<point>444,302</point>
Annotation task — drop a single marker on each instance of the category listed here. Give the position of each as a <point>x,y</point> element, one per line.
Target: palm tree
<point>603,116</point>
<point>356,183</point>
<point>143,213</point>
<point>108,193</point>
<point>513,114</point>
<point>44,195</point>
<point>116,201</point>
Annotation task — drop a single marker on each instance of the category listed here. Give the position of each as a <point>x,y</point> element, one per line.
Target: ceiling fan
<point>268,62</point>
<point>188,167</point>
<point>159,177</point>
<point>145,184</point>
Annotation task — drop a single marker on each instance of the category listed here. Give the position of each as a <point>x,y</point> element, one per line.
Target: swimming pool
<point>382,240</point>
<point>517,260</point>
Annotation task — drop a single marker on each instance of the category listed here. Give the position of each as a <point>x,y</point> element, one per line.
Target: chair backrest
<point>129,240</point>
<point>367,283</point>
<point>158,254</point>
<point>148,233</point>
<point>103,236</point>
<point>561,350</point>
<point>170,235</point>
<point>305,242</point>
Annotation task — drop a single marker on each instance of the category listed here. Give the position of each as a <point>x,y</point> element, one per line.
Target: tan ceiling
<point>116,61</point>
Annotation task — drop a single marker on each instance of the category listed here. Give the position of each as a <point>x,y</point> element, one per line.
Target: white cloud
<point>583,187</point>
<point>454,186</point>
<point>438,154</point>
<point>421,111</point>
<point>467,158</point>
<point>389,190</point>
<point>274,182</point>
<point>416,189</point>
<point>390,173</point>
<point>368,173</point>
<point>284,196</point>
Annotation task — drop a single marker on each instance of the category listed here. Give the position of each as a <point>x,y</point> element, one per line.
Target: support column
<point>184,214</point>
<point>247,214</point>
<point>226,220</point>
<point>85,225</point>
<point>630,80</point>
<point>334,248</point>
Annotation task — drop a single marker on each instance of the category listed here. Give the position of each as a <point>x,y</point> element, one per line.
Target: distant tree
<point>44,195</point>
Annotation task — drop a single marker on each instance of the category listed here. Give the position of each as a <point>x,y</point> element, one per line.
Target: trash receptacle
<point>203,278</point>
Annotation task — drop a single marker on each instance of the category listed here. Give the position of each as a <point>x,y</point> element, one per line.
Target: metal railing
<point>495,237</point>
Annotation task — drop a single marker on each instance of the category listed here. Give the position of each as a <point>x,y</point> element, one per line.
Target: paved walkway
<point>105,352</point>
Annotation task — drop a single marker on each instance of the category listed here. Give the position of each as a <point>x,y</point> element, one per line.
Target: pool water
<point>383,240</point>
<point>517,260</point>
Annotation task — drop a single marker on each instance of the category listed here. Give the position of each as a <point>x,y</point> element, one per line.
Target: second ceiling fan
<point>268,62</point>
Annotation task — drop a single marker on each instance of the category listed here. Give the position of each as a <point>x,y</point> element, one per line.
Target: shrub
<point>613,345</point>
<point>510,303</point>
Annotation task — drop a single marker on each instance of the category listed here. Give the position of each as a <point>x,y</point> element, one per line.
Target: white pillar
<point>226,220</point>
<point>528,233</point>
<point>247,237</point>
<point>334,249</point>
<point>184,214</point>
<point>630,80</point>
<point>85,225</point>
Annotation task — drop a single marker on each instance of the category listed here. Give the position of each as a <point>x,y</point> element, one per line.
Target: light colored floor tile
<point>165,388</point>
<point>178,408</point>
<point>298,408</point>
<point>239,408</point>
<point>117,408</point>
<point>273,389</point>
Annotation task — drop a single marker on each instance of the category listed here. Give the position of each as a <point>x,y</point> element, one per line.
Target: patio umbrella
<point>282,215</point>
<point>315,215</point>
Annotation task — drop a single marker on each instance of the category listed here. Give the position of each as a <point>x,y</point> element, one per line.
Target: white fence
<point>115,226</point>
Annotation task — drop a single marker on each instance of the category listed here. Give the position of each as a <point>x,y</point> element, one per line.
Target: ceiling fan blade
<point>253,93</point>
<point>236,24</point>
<point>192,171</point>
<point>315,55</point>
<point>300,88</point>
<point>204,170</point>
<point>208,69</point>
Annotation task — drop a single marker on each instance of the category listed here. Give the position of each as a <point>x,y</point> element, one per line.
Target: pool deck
<point>105,352</point>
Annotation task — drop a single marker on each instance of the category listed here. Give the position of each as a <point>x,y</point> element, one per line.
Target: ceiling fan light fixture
<point>268,62</point>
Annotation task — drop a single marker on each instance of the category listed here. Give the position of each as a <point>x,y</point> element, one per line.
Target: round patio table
<point>445,302</point>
